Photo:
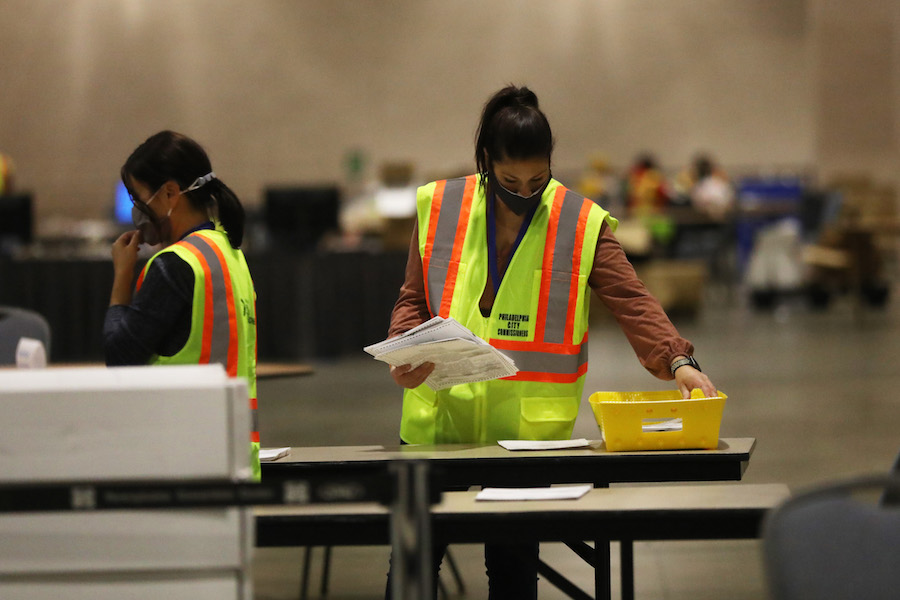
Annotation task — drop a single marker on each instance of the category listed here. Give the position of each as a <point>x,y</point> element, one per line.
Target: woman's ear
<point>173,193</point>
<point>172,188</point>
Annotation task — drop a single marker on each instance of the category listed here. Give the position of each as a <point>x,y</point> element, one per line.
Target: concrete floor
<point>819,392</point>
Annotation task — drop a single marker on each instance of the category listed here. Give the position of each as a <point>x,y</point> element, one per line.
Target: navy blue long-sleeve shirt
<point>158,320</point>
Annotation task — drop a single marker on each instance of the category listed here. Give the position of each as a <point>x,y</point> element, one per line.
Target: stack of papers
<point>458,354</point>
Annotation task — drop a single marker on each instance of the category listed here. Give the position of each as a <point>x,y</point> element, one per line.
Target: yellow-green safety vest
<point>223,317</point>
<point>539,317</point>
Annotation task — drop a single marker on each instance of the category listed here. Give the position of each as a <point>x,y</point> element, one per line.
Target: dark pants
<point>511,571</point>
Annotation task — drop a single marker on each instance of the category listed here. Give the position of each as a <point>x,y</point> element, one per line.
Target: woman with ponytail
<point>194,300</point>
<point>513,255</point>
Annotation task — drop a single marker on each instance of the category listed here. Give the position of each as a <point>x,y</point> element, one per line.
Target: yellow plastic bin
<point>660,420</point>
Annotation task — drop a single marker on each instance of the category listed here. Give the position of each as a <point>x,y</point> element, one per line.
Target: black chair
<point>840,541</point>
<point>891,496</point>
<point>16,323</point>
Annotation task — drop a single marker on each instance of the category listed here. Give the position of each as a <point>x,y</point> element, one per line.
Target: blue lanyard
<point>492,240</point>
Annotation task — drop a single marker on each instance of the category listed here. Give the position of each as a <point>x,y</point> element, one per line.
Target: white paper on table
<point>566,492</point>
<point>456,361</point>
<point>267,454</point>
<point>543,444</point>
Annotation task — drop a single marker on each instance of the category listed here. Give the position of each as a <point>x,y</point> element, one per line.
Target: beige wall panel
<point>280,90</point>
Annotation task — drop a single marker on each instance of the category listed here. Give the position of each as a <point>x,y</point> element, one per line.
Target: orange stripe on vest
<point>140,279</point>
<point>548,377</point>
<point>553,347</point>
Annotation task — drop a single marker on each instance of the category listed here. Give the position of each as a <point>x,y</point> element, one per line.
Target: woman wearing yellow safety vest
<point>512,254</point>
<point>194,301</point>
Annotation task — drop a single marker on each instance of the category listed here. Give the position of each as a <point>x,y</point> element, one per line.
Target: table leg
<point>304,576</point>
<point>410,526</point>
<point>602,586</point>
<point>326,572</point>
<point>560,581</point>
<point>626,557</point>
<point>599,560</point>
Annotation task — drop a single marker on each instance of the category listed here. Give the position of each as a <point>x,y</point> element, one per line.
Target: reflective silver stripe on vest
<point>221,332</point>
<point>560,280</point>
<point>548,362</point>
<point>444,236</point>
<point>254,420</point>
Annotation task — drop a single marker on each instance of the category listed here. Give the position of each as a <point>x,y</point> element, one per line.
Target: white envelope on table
<point>564,492</point>
<point>543,444</point>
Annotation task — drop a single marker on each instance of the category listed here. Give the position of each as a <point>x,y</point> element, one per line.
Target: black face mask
<point>513,201</point>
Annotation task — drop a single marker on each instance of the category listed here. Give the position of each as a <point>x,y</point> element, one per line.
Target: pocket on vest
<point>419,410</point>
<point>552,408</point>
<point>547,418</point>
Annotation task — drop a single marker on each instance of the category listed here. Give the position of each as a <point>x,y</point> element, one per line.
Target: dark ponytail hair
<point>512,126</point>
<point>169,156</point>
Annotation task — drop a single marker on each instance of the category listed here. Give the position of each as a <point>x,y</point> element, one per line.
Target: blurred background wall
<point>285,90</point>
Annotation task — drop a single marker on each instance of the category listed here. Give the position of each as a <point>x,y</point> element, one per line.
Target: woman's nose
<point>523,189</point>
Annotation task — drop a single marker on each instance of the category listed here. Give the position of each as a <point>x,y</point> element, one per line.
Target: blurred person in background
<point>7,175</point>
<point>706,187</point>
<point>194,301</point>
<point>647,197</point>
<point>600,183</point>
<point>647,191</point>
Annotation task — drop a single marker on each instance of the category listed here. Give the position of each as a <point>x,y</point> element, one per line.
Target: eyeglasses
<point>142,206</point>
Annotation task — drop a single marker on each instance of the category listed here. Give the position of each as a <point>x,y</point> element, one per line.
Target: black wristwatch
<point>690,360</point>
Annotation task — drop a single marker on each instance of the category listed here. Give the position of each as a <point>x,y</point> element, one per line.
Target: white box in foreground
<point>125,540</point>
<point>123,423</point>
<point>218,585</point>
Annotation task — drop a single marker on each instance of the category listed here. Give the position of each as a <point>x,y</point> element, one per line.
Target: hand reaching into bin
<point>689,378</point>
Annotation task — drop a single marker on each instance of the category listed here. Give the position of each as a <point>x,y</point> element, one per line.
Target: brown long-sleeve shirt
<point>647,327</point>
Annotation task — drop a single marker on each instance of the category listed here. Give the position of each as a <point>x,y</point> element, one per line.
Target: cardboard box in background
<point>677,284</point>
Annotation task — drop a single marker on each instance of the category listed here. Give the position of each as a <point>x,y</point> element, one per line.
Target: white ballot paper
<point>543,444</point>
<point>563,492</point>
<point>458,354</point>
<point>661,425</point>
<point>269,454</point>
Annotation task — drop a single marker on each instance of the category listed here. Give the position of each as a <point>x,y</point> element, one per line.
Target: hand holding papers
<point>459,355</point>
